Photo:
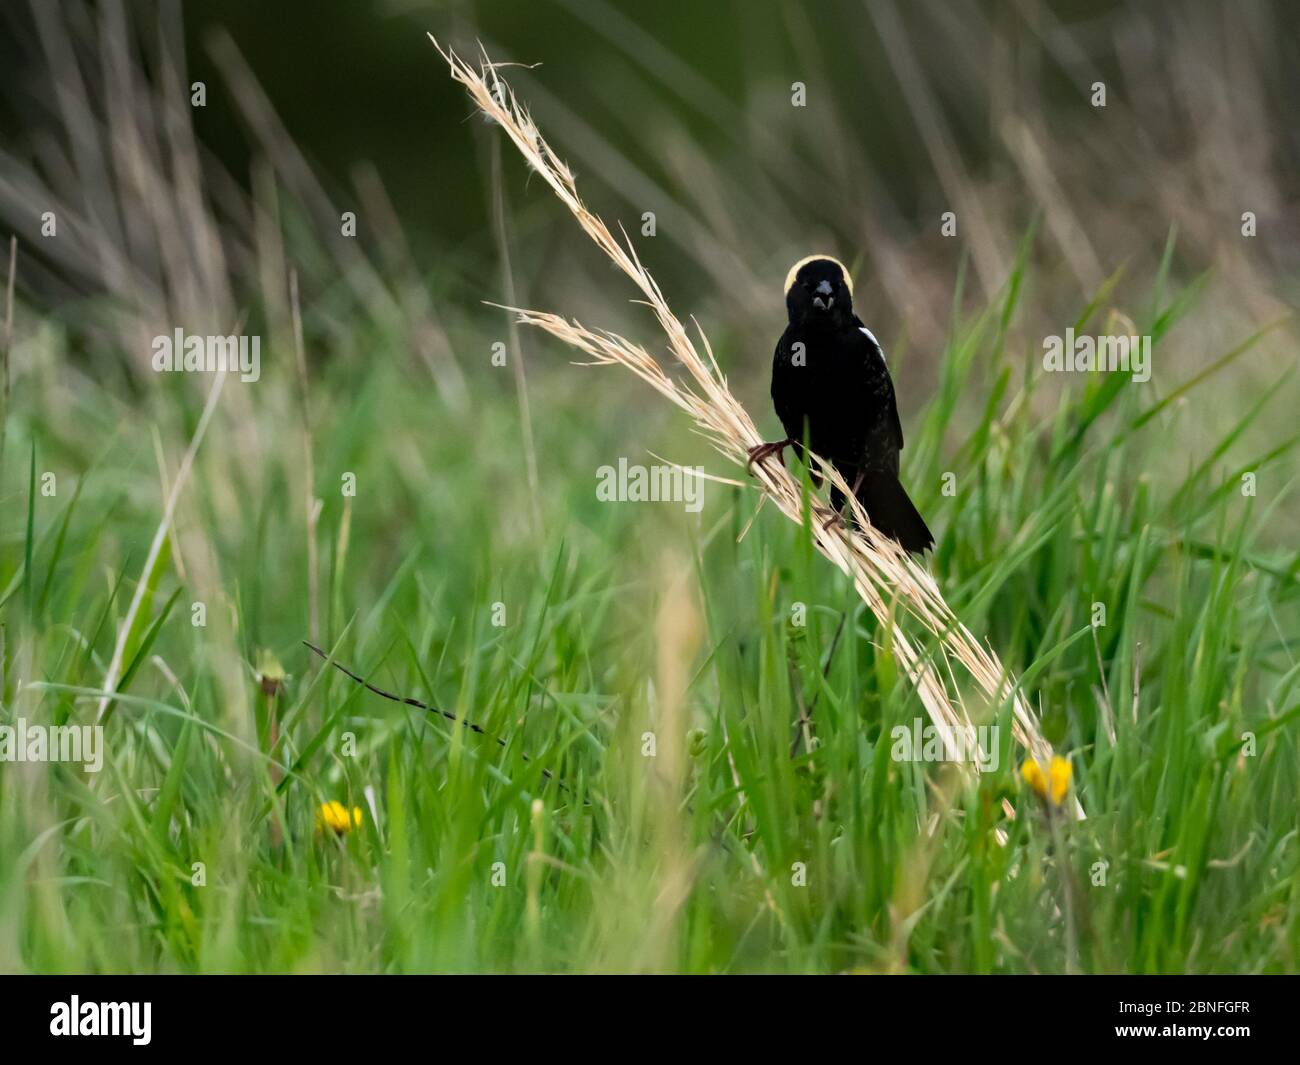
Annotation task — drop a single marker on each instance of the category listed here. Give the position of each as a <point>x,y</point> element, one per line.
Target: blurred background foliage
<point>685,110</point>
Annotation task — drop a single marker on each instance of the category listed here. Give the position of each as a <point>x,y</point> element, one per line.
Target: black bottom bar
<point>336,1013</point>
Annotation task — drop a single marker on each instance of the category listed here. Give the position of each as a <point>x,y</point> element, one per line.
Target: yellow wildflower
<point>334,814</point>
<point>1051,785</point>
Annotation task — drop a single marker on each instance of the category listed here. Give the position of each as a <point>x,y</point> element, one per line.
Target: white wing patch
<point>872,337</point>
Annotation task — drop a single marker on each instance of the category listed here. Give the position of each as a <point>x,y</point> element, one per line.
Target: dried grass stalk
<point>885,576</point>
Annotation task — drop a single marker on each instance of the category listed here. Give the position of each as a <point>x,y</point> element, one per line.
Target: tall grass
<point>699,842</point>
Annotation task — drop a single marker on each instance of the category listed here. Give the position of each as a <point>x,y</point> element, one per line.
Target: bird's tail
<point>892,512</point>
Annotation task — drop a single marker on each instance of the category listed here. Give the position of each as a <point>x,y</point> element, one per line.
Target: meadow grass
<point>739,845</point>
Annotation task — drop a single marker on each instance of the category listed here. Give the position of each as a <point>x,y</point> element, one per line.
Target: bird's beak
<point>823,300</point>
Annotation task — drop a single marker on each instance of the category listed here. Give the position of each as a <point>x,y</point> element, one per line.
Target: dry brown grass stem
<point>885,576</point>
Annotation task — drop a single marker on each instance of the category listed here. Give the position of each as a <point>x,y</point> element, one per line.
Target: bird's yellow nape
<point>794,271</point>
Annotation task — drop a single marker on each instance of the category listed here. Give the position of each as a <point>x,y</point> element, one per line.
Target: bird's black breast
<point>839,385</point>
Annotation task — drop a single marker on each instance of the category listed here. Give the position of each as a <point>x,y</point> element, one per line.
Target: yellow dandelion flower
<point>1052,785</point>
<point>334,815</point>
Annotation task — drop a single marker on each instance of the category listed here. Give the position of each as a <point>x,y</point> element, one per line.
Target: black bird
<point>830,381</point>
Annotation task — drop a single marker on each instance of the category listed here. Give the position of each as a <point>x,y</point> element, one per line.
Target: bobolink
<point>829,379</point>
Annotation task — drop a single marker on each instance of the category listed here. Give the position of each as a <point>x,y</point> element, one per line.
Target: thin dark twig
<point>393,697</point>
<point>830,656</point>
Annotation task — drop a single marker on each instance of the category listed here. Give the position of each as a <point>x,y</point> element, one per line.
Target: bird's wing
<point>788,389</point>
<point>887,388</point>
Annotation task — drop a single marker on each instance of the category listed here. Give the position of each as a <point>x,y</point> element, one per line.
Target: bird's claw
<point>761,451</point>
